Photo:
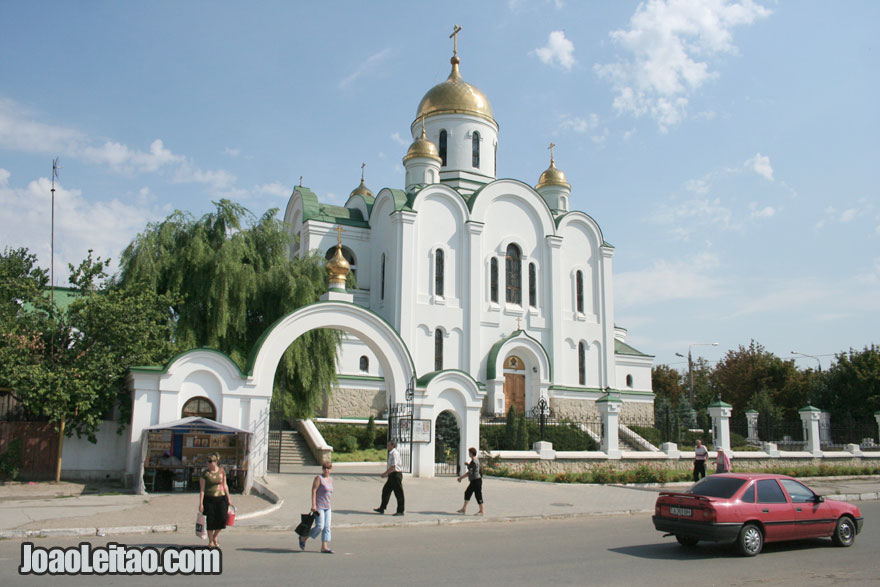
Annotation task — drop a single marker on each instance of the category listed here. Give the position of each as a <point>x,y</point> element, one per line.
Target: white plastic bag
<point>201,532</point>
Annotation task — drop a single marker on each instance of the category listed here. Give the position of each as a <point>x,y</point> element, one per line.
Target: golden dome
<point>338,269</point>
<point>552,176</point>
<point>455,96</point>
<point>361,190</point>
<point>422,147</point>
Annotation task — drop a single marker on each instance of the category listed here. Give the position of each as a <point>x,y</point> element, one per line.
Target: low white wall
<point>83,460</point>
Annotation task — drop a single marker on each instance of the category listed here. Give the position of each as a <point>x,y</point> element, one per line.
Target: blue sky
<point>728,149</point>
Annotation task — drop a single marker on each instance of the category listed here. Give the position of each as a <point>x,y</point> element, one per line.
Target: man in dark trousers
<point>395,481</point>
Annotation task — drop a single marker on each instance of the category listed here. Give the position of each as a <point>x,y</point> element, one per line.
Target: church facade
<point>493,279</point>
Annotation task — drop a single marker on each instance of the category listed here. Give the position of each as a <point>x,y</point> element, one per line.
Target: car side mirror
<point>818,499</point>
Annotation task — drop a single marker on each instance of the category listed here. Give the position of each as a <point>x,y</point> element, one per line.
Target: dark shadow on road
<point>270,550</point>
<point>706,550</point>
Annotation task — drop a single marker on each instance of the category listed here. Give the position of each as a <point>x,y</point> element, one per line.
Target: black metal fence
<point>566,434</point>
<point>836,434</point>
<point>274,457</point>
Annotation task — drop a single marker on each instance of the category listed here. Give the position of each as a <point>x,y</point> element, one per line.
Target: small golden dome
<point>552,176</point>
<point>338,269</point>
<point>455,96</point>
<point>422,147</point>
<point>361,190</point>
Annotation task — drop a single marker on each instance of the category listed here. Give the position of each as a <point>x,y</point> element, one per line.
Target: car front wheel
<point>750,540</point>
<point>844,532</point>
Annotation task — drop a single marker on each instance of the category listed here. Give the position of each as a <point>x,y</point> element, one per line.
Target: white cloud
<point>765,212</point>
<point>558,51</point>
<point>273,189</point>
<point>18,132</point>
<point>80,223</point>
<point>760,164</point>
<point>367,67</point>
<point>684,216</point>
<point>232,152</point>
<point>121,158</point>
<point>395,136</point>
<point>677,280</point>
<point>579,124</point>
<point>669,44</point>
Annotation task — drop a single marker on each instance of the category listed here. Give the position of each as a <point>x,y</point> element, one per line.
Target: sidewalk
<point>43,509</point>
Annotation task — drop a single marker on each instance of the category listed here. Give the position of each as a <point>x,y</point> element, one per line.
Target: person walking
<point>394,483</point>
<point>214,499</point>
<point>722,461</point>
<point>700,456</point>
<point>322,489</point>
<point>475,482</point>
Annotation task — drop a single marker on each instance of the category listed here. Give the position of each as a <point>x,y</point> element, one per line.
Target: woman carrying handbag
<point>322,488</point>
<point>214,499</point>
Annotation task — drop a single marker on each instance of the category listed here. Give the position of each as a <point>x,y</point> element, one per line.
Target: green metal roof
<point>621,348</point>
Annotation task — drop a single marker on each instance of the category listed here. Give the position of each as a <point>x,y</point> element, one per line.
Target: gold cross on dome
<point>300,181</point>
<point>363,165</point>
<point>339,232</point>
<point>454,37</point>
<point>551,151</point>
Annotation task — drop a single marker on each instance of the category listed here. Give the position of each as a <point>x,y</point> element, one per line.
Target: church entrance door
<point>514,384</point>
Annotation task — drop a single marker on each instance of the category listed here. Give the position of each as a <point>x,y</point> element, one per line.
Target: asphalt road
<point>614,550</point>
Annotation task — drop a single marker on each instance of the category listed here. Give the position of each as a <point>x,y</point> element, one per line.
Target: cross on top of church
<point>551,151</point>
<point>300,181</point>
<point>363,165</point>
<point>339,232</point>
<point>454,37</point>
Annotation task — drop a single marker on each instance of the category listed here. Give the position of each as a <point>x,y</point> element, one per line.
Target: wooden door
<point>515,392</point>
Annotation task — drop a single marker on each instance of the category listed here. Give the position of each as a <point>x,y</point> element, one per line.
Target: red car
<point>751,509</point>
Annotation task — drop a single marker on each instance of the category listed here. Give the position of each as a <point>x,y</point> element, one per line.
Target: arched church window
<point>382,281</point>
<point>348,255</point>
<point>493,280</point>
<point>442,142</point>
<point>629,380</point>
<point>438,350</point>
<point>513,273</point>
<point>438,272</point>
<point>365,364</point>
<point>533,285</point>
<point>200,407</point>
<point>579,291</point>
<point>476,150</point>
<point>582,364</point>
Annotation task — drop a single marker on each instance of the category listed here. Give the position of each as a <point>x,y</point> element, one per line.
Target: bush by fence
<point>351,437</point>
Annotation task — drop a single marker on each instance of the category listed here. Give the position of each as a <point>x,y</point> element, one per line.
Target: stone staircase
<point>294,452</point>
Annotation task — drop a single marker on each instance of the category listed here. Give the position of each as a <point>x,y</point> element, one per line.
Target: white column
<point>606,318</point>
<point>551,303</point>
<point>406,265</point>
<point>609,406</point>
<point>720,414</point>
<point>474,293</point>
<point>810,417</point>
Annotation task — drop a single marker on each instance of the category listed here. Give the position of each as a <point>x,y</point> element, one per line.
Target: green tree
<point>668,384</point>
<point>232,274</point>
<point>747,371</point>
<point>510,430</point>
<point>69,366</point>
<point>852,388</point>
<point>522,434</point>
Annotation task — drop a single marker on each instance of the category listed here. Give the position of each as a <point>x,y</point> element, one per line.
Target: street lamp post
<point>810,356</point>
<point>691,366</point>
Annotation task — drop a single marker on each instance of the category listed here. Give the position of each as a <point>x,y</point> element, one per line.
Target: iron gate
<point>400,427</point>
<point>274,456</point>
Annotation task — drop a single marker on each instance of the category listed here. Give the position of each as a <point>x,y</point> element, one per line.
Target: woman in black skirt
<point>214,499</point>
<point>475,482</point>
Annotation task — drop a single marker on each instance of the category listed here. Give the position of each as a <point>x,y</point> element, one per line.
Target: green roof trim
<point>491,372</point>
<point>164,368</point>
<point>621,348</point>
<point>359,378</point>
<point>611,396</point>
<point>752,412</point>
<point>719,404</point>
<point>64,296</point>
<point>576,389</point>
<point>425,379</point>
<point>809,409</point>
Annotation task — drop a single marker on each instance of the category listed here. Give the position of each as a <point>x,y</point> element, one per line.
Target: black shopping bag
<point>306,524</point>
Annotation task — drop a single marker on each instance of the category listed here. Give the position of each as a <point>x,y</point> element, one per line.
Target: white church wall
<point>460,129</point>
<point>383,243</point>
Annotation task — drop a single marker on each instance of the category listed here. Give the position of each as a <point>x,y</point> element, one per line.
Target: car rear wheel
<point>687,541</point>
<point>844,532</point>
<point>750,540</point>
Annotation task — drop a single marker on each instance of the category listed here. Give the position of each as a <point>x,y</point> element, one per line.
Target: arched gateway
<point>242,398</point>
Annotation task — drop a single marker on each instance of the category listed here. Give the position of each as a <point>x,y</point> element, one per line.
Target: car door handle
<point>765,511</point>
<point>797,509</point>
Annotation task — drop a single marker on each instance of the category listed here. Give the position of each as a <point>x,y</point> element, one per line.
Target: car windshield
<point>714,486</point>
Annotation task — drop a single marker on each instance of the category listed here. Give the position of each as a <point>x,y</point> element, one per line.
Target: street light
<point>810,356</point>
<point>691,365</point>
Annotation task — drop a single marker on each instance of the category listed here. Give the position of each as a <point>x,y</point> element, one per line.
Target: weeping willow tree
<point>231,271</point>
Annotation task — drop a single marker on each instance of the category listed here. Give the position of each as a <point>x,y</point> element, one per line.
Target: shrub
<point>649,433</point>
<point>10,461</point>
<point>522,434</point>
<point>369,438</point>
<point>349,444</point>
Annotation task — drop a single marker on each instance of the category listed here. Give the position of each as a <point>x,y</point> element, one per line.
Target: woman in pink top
<point>322,488</point>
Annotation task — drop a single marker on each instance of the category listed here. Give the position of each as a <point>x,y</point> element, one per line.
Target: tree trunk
<point>60,450</point>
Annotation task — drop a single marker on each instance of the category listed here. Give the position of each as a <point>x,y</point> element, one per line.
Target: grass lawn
<point>379,455</point>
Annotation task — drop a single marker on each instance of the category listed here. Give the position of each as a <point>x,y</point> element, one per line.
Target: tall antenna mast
<point>55,168</point>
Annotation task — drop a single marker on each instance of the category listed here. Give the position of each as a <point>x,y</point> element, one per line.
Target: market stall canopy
<point>188,425</point>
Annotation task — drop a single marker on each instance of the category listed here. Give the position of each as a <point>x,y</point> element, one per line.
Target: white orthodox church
<point>491,277</point>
